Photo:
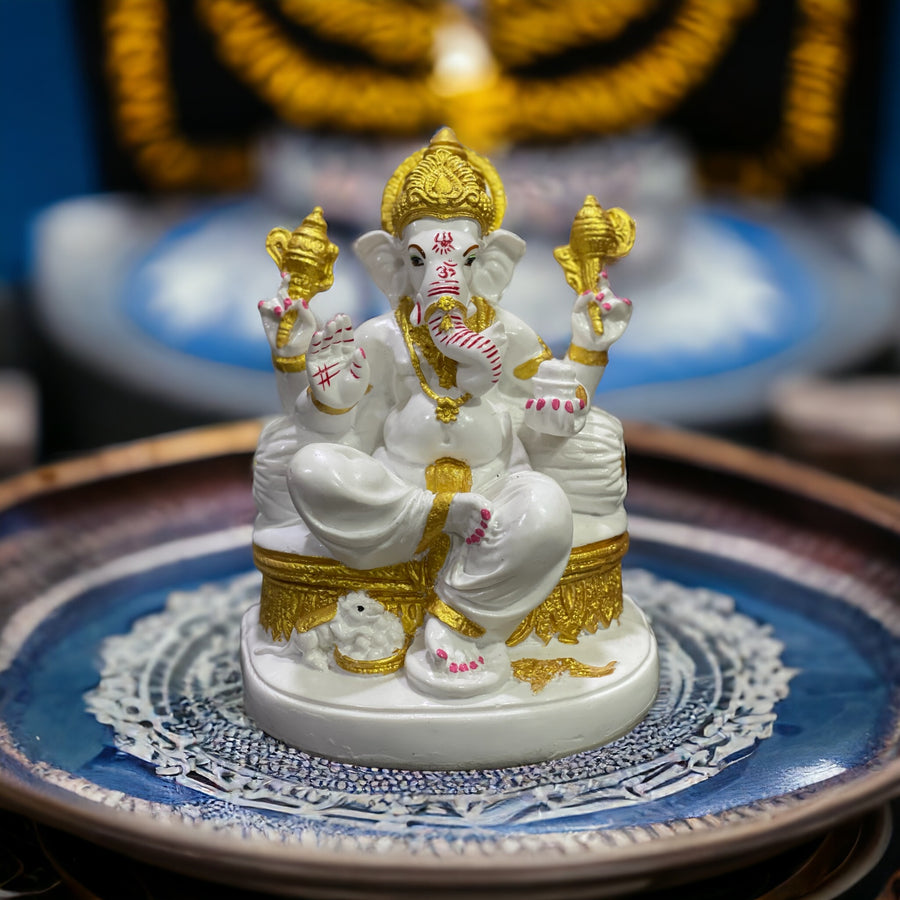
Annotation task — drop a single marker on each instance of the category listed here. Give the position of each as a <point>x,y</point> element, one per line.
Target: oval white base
<point>382,721</point>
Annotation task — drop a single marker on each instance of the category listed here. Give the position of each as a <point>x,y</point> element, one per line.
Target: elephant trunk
<point>478,358</point>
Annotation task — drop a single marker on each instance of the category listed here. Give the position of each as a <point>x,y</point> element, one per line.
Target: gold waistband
<point>301,592</point>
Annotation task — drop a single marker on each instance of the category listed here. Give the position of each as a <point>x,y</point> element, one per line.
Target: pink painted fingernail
<point>473,666</point>
<point>626,300</point>
<point>468,540</point>
<point>454,667</point>
<point>260,304</point>
<point>484,523</point>
<point>305,304</point>
<point>278,310</point>
<point>603,274</point>
<point>569,407</point>
<point>288,303</point>
<point>581,403</point>
<point>479,532</point>
<point>486,514</point>
<point>463,667</point>
<point>481,660</point>
<point>529,403</point>
<point>541,403</point>
<point>476,539</point>
<point>607,306</point>
<point>441,654</point>
<point>555,403</point>
<point>601,295</point>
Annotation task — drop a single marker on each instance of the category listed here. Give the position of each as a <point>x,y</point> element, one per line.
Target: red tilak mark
<point>607,306</point>
<point>486,514</point>
<point>463,667</point>
<point>555,403</point>
<point>569,407</point>
<point>441,654</point>
<point>443,243</point>
<point>454,667</point>
<point>540,404</point>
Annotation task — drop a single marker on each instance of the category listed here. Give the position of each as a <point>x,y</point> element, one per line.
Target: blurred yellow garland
<point>309,93</point>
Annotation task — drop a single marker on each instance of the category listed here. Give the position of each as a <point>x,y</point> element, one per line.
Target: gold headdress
<point>443,181</point>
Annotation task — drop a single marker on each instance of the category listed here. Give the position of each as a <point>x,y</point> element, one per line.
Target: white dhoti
<point>367,516</point>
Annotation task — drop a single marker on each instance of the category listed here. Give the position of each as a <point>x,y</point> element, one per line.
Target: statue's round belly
<point>481,434</point>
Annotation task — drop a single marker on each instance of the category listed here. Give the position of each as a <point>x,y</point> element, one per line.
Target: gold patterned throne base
<point>300,592</point>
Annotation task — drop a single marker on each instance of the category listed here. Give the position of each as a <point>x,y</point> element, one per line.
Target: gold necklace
<point>446,408</point>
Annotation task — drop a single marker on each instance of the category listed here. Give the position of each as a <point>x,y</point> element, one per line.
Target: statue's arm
<point>599,319</point>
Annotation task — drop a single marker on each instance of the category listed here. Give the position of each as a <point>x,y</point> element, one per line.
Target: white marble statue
<point>438,458</point>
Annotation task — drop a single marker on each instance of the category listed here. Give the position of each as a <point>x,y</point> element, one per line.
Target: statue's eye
<point>471,260</point>
<point>417,261</point>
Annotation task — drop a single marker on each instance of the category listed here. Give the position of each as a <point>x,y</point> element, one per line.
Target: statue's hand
<point>602,306</point>
<point>559,406</point>
<point>469,517</point>
<point>300,321</point>
<point>338,369</point>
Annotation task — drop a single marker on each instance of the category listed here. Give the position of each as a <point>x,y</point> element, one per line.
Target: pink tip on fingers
<point>607,306</point>
<point>486,515</point>
<point>454,667</point>
<point>580,403</point>
<point>626,301</point>
<point>569,406</point>
<point>541,404</point>
<point>555,403</point>
<point>441,654</point>
<point>288,303</point>
<point>529,403</point>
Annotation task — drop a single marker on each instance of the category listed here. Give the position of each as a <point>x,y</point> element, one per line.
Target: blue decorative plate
<point>773,592</point>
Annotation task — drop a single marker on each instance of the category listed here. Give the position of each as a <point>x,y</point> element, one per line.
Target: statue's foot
<point>452,665</point>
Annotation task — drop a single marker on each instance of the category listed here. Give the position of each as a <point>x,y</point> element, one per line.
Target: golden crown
<point>443,181</point>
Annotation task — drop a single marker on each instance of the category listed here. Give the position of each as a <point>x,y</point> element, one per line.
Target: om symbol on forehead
<point>443,242</point>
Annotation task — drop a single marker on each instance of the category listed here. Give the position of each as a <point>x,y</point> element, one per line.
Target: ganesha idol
<point>440,521</point>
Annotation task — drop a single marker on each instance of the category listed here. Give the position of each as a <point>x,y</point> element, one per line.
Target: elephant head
<point>440,265</point>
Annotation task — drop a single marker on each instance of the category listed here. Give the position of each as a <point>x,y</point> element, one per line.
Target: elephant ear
<point>384,259</point>
<point>500,252</point>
